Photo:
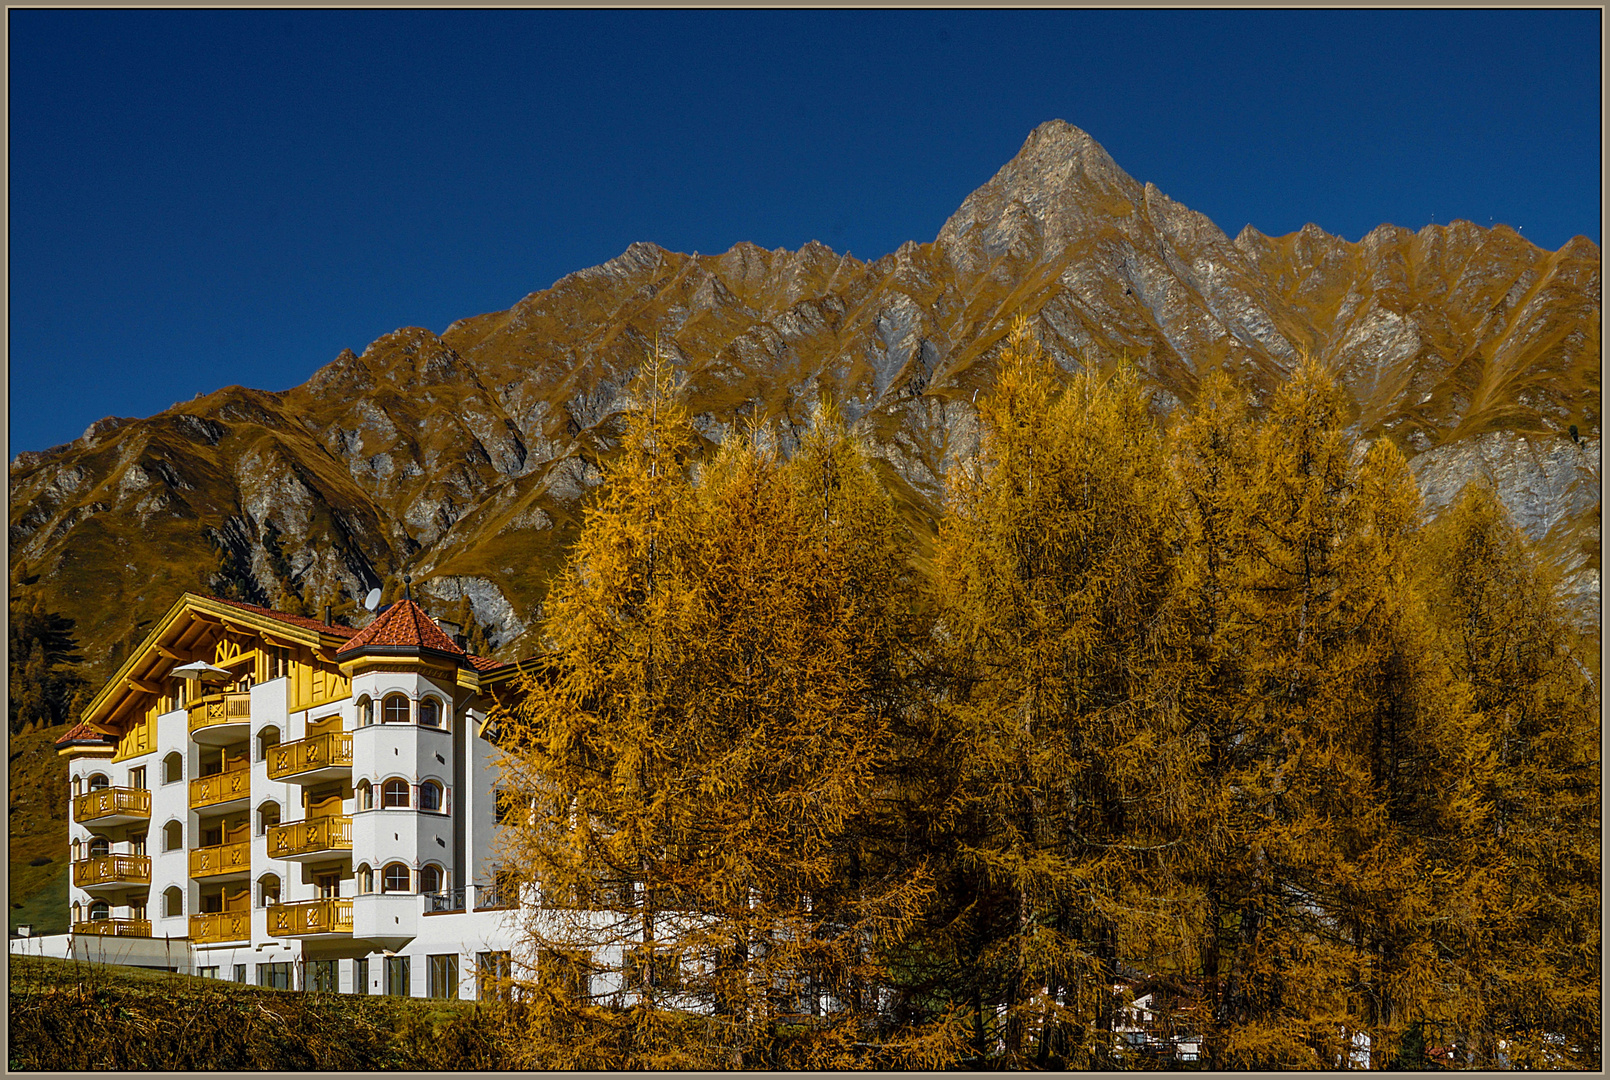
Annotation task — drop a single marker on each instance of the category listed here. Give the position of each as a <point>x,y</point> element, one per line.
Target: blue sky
<point>217,197</point>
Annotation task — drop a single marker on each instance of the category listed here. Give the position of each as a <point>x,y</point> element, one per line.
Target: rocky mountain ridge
<point>463,457</point>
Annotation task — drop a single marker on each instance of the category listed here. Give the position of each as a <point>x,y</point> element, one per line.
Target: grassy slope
<point>68,1016</point>
<point>37,826</point>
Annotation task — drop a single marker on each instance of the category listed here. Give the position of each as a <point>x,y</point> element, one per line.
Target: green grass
<point>36,823</point>
<point>43,906</point>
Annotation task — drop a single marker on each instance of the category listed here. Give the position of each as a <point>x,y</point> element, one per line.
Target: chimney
<point>327,609</point>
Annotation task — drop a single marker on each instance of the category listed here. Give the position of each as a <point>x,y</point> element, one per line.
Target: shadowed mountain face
<point>463,458</point>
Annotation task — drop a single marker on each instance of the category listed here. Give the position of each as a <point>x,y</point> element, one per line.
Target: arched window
<point>172,902</point>
<point>366,795</point>
<point>430,712</point>
<point>100,911</point>
<point>97,782</point>
<point>396,710</point>
<point>78,851</point>
<point>267,739</point>
<point>268,890</point>
<point>78,786</point>
<point>78,911</point>
<point>430,796</point>
<point>99,847</point>
<point>173,768</point>
<point>395,878</point>
<point>268,816</point>
<point>366,879</point>
<point>173,836</point>
<point>430,878</point>
<point>366,711</point>
<point>394,793</point>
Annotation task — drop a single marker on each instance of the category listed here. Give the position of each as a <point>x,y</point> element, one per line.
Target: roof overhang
<point>154,658</point>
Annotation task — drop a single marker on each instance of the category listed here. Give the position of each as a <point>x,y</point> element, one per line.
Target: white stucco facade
<point>329,823</point>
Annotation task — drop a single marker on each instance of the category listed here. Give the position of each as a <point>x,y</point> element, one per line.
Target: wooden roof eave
<point>115,698</point>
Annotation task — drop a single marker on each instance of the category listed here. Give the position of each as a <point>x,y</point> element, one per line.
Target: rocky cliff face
<point>463,457</point>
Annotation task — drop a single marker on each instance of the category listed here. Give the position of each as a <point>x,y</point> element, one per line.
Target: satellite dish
<point>372,601</point>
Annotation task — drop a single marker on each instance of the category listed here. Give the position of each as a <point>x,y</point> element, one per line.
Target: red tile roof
<point>294,620</point>
<point>485,663</point>
<point>84,734</point>
<point>403,625</point>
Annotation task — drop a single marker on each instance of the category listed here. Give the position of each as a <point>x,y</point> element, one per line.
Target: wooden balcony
<point>220,718</point>
<point>313,760</point>
<point>222,860</point>
<point>218,926</point>
<point>310,918</point>
<point>308,839</point>
<point>220,789</point>
<point>112,871</point>
<point>113,806</point>
<point>114,927</point>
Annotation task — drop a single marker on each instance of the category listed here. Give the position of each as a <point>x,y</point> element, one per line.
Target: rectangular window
<point>492,976</point>
<point>360,976</point>
<point>240,973</point>
<point>652,967</point>
<point>322,976</point>
<point>274,976</point>
<point>137,844</point>
<point>565,973</point>
<point>329,886</point>
<point>137,778</point>
<point>397,976</point>
<point>207,972</point>
<point>443,976</point>
<point>503,803</point>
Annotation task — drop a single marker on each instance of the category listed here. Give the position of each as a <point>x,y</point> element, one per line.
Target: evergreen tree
<point>1053,585</point>
<point>1537,958</point>
<point>43,661</point>
<point>699,757</point>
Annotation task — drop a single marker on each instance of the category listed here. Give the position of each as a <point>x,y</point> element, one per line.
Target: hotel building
<point>273,799</point>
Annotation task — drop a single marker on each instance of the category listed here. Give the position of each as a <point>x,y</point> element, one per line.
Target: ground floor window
<point>207,972</point>
<point>360,976</point>
<point>492,976</point>
<point>442,972</point>
<point>274,976</point>
<point>240,973</point>
<point>565,972</point>
<point>322,976</point>
<point>397,976</point>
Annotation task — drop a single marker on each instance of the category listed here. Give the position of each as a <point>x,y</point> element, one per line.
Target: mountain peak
<point>1061,181</point>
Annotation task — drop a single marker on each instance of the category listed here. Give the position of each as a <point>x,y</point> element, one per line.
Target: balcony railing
<point>307,837</point>
<point>221,926</point>
<point>112,802</point>
<point>221,859</point>
<point>114,927</point>
<point>309,917</point>
<point>333,749</point>
<point>451,900</point>
<point>215,709</point>
<point>112,870</point>
<point>219,788</point>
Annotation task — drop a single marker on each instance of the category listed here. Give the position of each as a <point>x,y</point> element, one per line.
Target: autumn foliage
<point>1206,705</point>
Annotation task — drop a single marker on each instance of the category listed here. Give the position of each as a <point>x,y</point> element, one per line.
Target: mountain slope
<point>463,457</point>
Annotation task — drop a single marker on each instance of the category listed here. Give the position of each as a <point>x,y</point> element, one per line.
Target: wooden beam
<point>165,651</point>
<point>141,684</point>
